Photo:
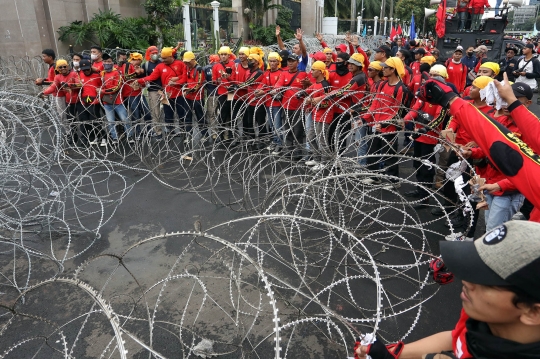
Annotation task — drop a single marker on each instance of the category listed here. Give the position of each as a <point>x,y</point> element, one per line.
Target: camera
<point>228,70</point>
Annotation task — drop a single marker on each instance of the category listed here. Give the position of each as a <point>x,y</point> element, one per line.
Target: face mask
<point>341,68</point>
<point>469,53</point>
<point>75,63</point>
<point>93,57</point>
<point>252,64</point>
<point>108,67</point>
<point>154,57</point>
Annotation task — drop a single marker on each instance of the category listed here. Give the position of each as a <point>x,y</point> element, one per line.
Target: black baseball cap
<point>511,48</point>
<point>284,54</point>
<point>508,255</point>
<point>106,56</point>
<point>292,57</point>
<point>530,46</point>
<point>85,64</point>
<point>522,90</point>
<point>419,50</point>
<point>385,49</point>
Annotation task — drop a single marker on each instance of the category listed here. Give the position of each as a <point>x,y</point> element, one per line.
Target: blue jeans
<point>462,16</point>
<point>176,105</point>
<point>197,106</point>
<point>121,111</point>
<point>138,106</point>
<point>309,124</point>
<point>497,6</point>
<point>359,135</point>
<point>501,209</point>
<point>275,123</point>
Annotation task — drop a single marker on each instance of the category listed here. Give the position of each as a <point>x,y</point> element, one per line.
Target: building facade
<point>524,13</point>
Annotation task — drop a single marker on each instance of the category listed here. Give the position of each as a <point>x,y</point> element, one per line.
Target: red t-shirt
<point>385,106</point>
<point>269,81</point>
<point>459,343</point>
<point>90,86</point>
<point>194,78</point>
<point>324,112</point>
<point>457,74</point>
<point>241,75</point>
<point>112,83</point>
<point>290,102</point>
<point>337,82</point>
<point>166,73</point>
<point>222,83</point>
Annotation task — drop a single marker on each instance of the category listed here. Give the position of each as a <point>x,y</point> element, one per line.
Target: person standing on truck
<point>477,10</point>
<point>528,69</point>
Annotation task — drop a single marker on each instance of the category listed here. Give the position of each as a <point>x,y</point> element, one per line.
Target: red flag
<point>399,30</point>
<point>440,27</point>
<point>393,33</point>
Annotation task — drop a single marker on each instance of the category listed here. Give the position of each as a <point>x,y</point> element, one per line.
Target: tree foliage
<point>158,12</point>
<point>108,30</point>
<point>266,35</point>
<point>404,9</point>
<point>372,8</point>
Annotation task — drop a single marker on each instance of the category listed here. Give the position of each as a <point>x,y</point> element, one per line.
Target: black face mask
<point>341,68</point>
<point>252,65</point>
<point>470,54</point>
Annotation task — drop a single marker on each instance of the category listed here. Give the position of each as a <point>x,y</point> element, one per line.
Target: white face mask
<point>75,63</point>
<point>93,57</point>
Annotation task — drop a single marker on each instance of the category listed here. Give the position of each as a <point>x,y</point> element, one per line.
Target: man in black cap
<point>528,69</point>
<point>509,64</point>
<point>500,273</point>
<point>383,53</point>
<point>418,54</point>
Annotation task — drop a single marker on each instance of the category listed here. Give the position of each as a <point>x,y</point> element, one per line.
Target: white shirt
<point>528,69</point>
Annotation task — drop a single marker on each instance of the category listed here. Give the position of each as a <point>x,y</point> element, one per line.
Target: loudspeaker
<point>429,12</point>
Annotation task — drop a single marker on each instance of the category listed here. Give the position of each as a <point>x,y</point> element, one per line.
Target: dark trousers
<point>90,127</point>
<point>342,124</point>
<point>384,145</point>
<point>224,111</point>
<point>255,117</point>
<point>197,107</point>
<point>72,134</point>
<point>424,175</point>
<point>293,126</point>
<point>176,105</point>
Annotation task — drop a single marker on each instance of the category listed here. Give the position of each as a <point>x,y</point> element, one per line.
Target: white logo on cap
<point>521,88</point>
<point>496,235</point>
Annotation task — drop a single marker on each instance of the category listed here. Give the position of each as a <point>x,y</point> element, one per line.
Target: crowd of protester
<point>310,116</point>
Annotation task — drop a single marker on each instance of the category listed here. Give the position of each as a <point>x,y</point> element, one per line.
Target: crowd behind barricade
<point>464,120</point>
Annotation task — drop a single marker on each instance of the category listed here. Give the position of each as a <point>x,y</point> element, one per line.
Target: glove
<point>437,93</point>
<point>441,274</point>
<point>301,94</point>
<point>232,88</point>
<point>378,350</point>
<point>419,132</point>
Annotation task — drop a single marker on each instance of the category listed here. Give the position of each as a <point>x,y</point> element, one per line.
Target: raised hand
<point>299,34</point>
<point>278,31</point>
<point>319,36</point>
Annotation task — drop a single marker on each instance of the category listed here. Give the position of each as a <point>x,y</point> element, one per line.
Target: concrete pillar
<point>187,26</point>
<point>215,13</point>
<point>243,26</point>
<point>375,24</point>
<point>359,25</point>
<point>385,21</point>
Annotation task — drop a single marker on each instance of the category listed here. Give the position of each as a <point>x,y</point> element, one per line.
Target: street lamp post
<point>187,26</point>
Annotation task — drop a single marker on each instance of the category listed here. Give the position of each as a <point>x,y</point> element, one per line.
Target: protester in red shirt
<point>222,76</point>
<point>88,106</point>
<point>316,97</point>
<point>172,73</point>
<point>477,10</point>
<point>111,99</point>
<point>418,54</point>
<point>273,105</point>
<point>96,55</point>
<point>255,115</point>
<point>291,82</point>
<point>500,318</point>
<point>457,71</point>
<point>382,114</point>
<point>193,94</point>
<point>66,81</point>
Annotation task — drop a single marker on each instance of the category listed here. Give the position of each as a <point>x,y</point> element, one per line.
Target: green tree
<point>372,8</point>
<point>266,35</point>
<point>108,30</point>
<point>403,9</point>
<point>158,12</point>
<point>528,25</point>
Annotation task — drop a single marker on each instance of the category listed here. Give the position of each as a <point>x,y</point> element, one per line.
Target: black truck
<point>491,34</point>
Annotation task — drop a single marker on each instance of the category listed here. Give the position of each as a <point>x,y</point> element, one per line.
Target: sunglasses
<point>62,67</point>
